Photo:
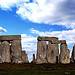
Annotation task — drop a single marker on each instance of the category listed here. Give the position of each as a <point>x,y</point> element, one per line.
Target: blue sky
<point>32,18</point>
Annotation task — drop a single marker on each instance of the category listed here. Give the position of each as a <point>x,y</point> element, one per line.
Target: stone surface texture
<point>49,52</point>
<point>52,39</point>
<point>41,52</point>
<point>5,52</point>
<point>52,53</point>
<point>16,51</point>
<point>64,54</point>
<point>10,37</point>
<point>62,41</point>
<point>10,49</point>
<point>73,55</point>
<point>24,57</point>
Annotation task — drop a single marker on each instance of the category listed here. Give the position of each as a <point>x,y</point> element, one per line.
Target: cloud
<point>2,30</point>
<point>68,35</point>
<point>60,12</point>
<point>8,4</point>
<point>54,12</point>
<point>29,44</point>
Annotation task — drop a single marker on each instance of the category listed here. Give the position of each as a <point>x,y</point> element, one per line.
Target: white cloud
<point>29,44</point>
<point>8,4</point>
<point>2,30</point>
<point>68,35</point>
<point>60,12</point>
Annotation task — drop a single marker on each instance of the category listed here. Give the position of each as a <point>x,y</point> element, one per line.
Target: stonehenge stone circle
<point>10,49</point>
<point>49,52</point>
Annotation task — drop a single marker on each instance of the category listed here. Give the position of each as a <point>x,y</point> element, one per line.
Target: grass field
<point>37,72</point>
<point>37,69</point>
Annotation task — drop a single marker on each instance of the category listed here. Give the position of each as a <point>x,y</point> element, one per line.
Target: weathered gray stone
<point>5,52</point>
<point>64,54</point>
<point>52,53</point>
<point>62,41</point>
<point>0,54</point>
<point>16,51</point>
<point>53,40</point>
<point>73,55</point>
<point>10,37</point>
<point>24,57</point>
<point>41,52</point>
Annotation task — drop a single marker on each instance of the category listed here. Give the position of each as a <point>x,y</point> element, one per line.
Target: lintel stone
<point>53,40</point>
<point>10,37</point>
<point>62,41</point>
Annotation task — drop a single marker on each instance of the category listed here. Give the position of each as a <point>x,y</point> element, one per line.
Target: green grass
<point>37,72</point>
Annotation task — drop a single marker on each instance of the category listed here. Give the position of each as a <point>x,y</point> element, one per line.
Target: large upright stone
<point>41,52</point>
<point>52,53</point>
<point>64,54</point>
<point>16,51</point>
<point>5,52</point>
<point>33,57</point>
<point>73,55</point>
<point>24,57</point>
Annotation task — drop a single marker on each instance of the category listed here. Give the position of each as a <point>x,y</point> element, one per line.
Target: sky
<point>33,18</point>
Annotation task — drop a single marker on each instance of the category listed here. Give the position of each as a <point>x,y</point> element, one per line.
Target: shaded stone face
<point>73,55</point>
<point>33,57</point>
<point>16,51</point>
<point>64,54</point>
<point>24,57</point>
<point>41,52</point>
<point>52,53</point>
<point>5,52</point>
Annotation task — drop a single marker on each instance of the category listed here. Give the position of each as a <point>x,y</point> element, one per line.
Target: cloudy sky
<point>32,18</point>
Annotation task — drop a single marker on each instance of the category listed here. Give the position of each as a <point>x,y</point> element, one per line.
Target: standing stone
<point>52,53</point>
<point>34,60</point>
<point>16,51</point>
<point>5,52</point>
<point>24,57</point>
<point>0,54</point>
<point>64,54</point>
<point>33,57</point>
<point>73,55</point>
<point>41,52</point>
